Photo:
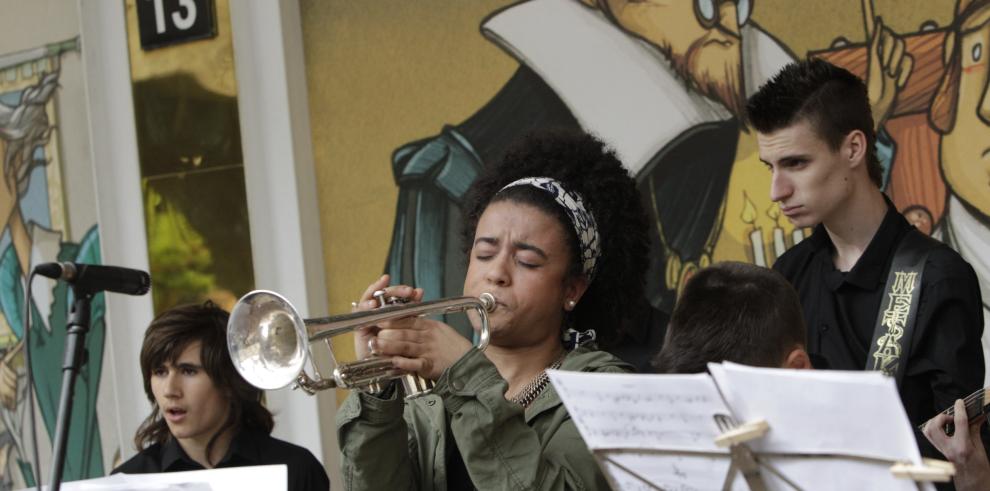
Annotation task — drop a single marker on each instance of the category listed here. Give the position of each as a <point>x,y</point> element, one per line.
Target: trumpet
<point>270,343</point>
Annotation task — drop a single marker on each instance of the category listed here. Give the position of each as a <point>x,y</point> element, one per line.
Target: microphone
<point>95,278</point>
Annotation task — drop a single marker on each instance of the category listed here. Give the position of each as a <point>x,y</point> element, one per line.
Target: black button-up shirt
<point>945,360</point>
<point>247,448</point>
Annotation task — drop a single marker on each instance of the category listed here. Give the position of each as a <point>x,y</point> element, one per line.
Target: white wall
<point>278,163</point>
<point>116,174</point>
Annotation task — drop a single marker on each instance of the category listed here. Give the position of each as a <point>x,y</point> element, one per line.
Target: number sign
<point>165,22</point>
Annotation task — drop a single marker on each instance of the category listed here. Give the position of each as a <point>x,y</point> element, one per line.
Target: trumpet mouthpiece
<point>487,301</point>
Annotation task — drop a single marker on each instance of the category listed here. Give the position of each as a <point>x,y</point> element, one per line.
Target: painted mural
<point>664,82</point>
<point>33,222</point>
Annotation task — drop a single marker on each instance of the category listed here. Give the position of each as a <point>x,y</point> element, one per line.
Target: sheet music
<point>656,412</point>
<point>834,412</point>
<point>828,430</point>
<point>267,477</point>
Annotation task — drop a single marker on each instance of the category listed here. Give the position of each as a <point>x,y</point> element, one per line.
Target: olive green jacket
<point>388,444</point>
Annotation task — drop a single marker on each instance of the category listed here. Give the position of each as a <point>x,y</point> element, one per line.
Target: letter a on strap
<point>899,308</point>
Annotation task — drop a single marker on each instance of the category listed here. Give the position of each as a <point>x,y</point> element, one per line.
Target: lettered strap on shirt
<point>899,307</point>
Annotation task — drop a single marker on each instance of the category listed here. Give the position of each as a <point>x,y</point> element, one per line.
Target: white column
<point>281,192</point>
<point>119,202</point>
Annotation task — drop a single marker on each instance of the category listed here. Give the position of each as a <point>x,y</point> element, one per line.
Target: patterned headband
<point>584,223</point>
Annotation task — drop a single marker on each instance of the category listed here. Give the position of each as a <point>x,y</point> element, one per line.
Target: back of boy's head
<point>734,312</point>
<point>832,99</point>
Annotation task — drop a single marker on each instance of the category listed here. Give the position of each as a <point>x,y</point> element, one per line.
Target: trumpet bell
<point>267,340</point>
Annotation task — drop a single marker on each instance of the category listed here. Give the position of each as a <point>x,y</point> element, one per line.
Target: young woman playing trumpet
<point>557,233</point>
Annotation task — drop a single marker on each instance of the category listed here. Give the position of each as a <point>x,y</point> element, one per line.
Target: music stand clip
<point>743,459</point>
<point>931,470</point>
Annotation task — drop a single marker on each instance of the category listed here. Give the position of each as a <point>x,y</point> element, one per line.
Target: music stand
<point>675,432</point>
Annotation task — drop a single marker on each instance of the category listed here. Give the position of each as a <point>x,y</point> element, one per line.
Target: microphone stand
<point>75,351</point>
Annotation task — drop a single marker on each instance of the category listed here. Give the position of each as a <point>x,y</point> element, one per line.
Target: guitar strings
<point>972,398</point>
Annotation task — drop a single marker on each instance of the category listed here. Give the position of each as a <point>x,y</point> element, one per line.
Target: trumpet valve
<point>364,373</point>
<point>384,299</point>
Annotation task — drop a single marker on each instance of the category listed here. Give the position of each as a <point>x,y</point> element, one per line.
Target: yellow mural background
<point>382,74</point>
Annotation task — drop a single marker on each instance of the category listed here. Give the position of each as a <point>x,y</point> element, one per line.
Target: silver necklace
<point>535,387</point>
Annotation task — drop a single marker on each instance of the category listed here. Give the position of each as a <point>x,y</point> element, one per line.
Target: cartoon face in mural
<point>24,130</point>
<point>701,38</point>
<point>921,218</point>
<point>676,68</point>
<point>960,114</point>
<point>965,147</point>
<point>29,233</point>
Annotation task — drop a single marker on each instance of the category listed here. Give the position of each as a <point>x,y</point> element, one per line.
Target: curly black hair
<point>615,303</point>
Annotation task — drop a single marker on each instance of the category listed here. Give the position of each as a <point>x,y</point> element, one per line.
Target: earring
<point>571,303</point>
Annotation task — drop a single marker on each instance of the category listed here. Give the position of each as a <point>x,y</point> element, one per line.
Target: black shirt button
<point>824,327</point>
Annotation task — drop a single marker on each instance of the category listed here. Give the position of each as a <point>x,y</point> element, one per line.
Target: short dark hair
<point>831,98</point>
<point>734,312</point>
<point>614,305</point>
<point>164,341</point>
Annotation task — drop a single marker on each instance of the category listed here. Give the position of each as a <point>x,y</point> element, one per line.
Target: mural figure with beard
<point>664,83</point>
<point>960,112</point>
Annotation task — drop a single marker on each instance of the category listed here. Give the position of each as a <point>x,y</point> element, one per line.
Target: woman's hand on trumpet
<point>363,337</point>
<point>419,345</point>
